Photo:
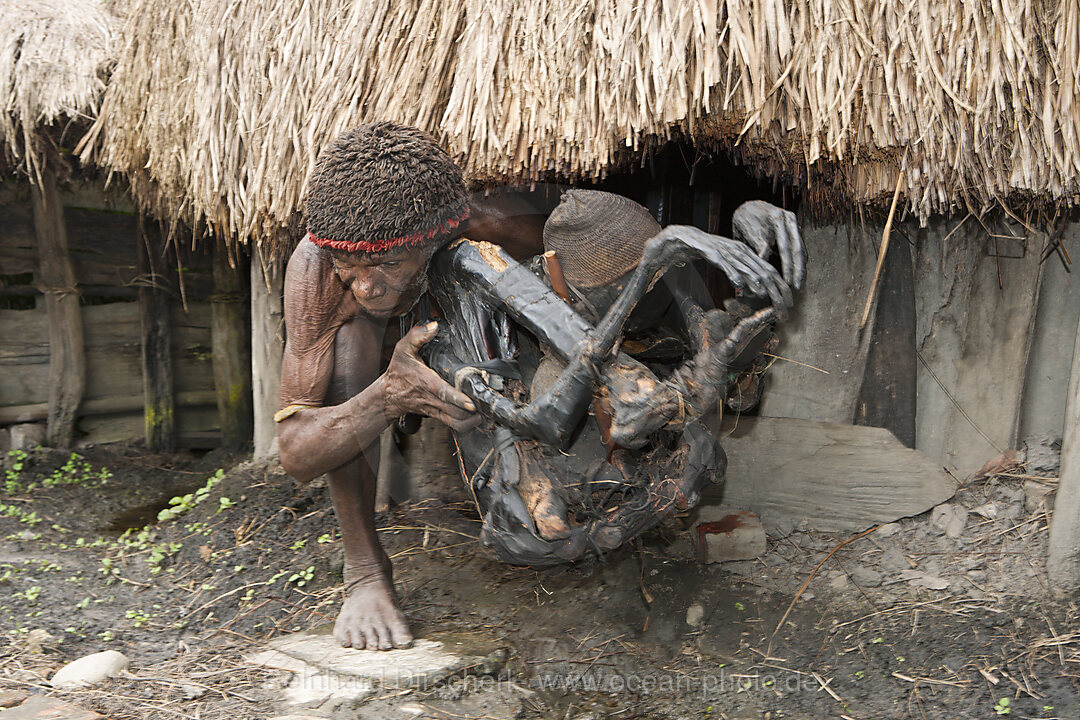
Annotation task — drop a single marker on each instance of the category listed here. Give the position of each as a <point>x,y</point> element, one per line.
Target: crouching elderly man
<point>382,199</point>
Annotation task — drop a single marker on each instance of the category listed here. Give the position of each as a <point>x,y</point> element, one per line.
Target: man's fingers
<point>451,396</point>
<point>419,336</point>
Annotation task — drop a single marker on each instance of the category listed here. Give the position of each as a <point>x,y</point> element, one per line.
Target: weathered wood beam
<point>267,347</point>
<point>1063,564</point>
<point>67,355</point>
<point>231,344</point>
<point>36,412</point>
<point>159,402</point>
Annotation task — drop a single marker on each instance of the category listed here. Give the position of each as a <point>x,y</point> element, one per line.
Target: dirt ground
<point>941,616</point>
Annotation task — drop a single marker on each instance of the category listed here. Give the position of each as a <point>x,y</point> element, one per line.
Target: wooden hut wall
<point>101,231</point>
<point>993,341</point>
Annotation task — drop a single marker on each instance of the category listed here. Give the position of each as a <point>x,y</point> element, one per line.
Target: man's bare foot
<point>370,618</point>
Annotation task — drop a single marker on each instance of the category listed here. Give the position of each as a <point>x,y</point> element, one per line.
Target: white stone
<point>918,578</point>
<point>90,670</point>
<point>950,518</point>
<point>887,530</point>
<point>695,614</point>
<point>1037,496</point>
<point>27,436</point>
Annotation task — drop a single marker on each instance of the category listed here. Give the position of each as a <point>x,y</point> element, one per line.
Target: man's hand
<point>410,386</point>
<point>766,227</point>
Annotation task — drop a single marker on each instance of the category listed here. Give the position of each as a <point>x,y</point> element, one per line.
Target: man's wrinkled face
<point>387,284</point>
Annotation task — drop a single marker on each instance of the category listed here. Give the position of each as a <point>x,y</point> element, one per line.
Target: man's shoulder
<point>307,254</point>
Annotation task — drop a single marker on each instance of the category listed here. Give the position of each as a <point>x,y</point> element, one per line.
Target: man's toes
<point>341,637</point>
<point>371,638</point>
<point>385,640</point>
<point>400,635</point>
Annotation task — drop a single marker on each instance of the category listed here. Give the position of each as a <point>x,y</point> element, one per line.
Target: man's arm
<point>314,439</point>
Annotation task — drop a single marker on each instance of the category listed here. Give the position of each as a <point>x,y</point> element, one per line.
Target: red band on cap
<point>380,246</point>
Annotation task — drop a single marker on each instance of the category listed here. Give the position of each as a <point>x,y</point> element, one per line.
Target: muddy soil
<point>958,627</point>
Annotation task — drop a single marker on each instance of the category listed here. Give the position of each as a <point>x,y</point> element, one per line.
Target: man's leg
<point>369,617</point>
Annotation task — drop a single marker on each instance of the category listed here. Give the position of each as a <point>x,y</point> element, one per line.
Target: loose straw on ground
<point>806,583</point>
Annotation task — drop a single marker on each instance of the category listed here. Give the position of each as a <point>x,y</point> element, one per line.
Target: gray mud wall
<point>992,327</point>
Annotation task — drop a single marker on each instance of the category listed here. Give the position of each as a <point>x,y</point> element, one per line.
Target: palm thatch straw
<point>53,58</point>
<point>217,110</point>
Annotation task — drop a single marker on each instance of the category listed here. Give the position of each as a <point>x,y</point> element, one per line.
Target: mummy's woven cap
<point>384,186</point>
<point>598,236</point>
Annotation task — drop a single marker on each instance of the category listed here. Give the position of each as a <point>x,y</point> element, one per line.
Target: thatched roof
<point>217,109</point>
<point>53,58</point>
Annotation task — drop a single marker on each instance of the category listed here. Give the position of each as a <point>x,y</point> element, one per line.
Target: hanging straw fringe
<point>216,111</point>
<point>53,58</point>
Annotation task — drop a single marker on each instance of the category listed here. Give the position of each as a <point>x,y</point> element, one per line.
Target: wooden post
<point>159,405</point>
<point>267,347</point>
<point>67,356</point>
<point>1063,565</point>
<point>231,347</point>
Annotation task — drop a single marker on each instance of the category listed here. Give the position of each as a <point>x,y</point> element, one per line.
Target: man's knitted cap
<point>597,236</point>
<point>384,186</point>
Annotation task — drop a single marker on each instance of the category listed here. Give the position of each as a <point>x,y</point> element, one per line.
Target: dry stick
<point>802,589</point>
<point>881,254</point>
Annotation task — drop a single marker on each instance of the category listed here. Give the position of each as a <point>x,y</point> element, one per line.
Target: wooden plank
<point>1063,564</point>
<point>18,245</point>
<point>101,406</point>
<point>67,357</point>
<point>888,394</point>
<point>835,477</point>
<point>267,348</point>
<point>822,330</point>
<point>24,356</point>
<point>976,298</point>
<point>231,347</point>
<point>154,312</point>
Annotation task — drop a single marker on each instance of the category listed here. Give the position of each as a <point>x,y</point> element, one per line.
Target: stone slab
<point>424,664</point>
<point>39,707</point>
<point>312,688</point>
<point>830,476</point>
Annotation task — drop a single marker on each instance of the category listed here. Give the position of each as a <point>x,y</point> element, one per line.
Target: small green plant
<point>1003,706</point>
<point>138,617</point>
<point>739,606</point>
<point>109,570</point>
<point>183,503</point>
<point>77,471</point>
<point>298,545</point>
<point>30,518</point>
<point>107,635</point>
<point>31,593</point>
<point>12,475</point>
<point>82,604</point>
<point>303,577</point>
<point>225,503</point>
<point>324,538</point>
